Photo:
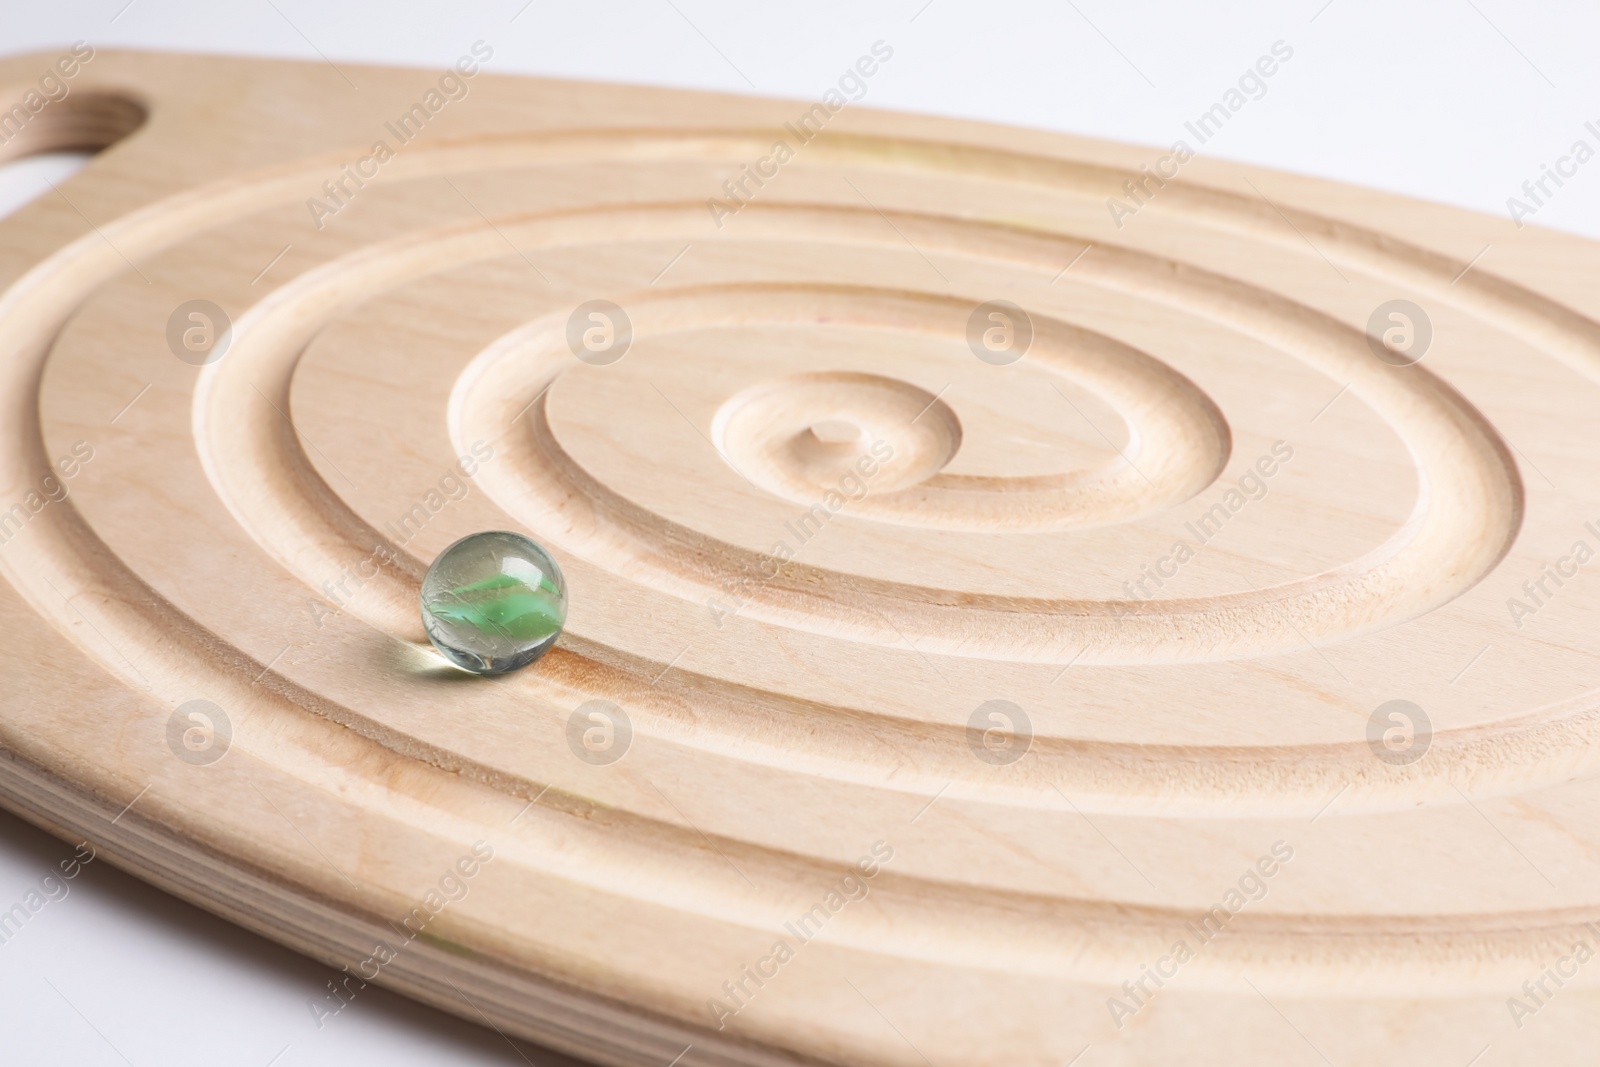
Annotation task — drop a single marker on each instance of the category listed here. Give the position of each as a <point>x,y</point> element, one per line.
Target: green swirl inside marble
<point>505,606</point>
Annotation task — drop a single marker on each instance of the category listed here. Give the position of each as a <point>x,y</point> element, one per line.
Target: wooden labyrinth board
<point>1003,623</point>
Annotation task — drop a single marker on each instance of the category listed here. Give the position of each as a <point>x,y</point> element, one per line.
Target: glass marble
<point>494,602</point>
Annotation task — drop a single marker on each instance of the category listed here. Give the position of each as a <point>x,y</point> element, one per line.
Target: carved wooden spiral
<point>1023,665</point>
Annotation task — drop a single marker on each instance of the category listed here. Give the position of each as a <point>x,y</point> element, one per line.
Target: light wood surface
<point>1188,547</point>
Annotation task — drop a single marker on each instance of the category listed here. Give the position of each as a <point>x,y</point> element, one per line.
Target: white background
<point>1455,100</point>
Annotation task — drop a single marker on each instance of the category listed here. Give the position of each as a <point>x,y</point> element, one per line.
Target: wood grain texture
<point>811,540</point>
